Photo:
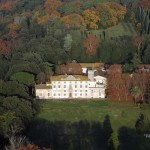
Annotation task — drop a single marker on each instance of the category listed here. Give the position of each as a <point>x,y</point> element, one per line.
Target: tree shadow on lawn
<point>62,135</point>
<point>84,135</point>
<point>130,140</point>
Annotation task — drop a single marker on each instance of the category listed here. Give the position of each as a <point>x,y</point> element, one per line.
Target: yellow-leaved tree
<point>111,13</point>
<point>91,18</point>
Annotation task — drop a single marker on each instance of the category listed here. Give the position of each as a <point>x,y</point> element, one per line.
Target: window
<point>75,86</point>
<point>58,86</point>
<point>64,86</point>
<point>80,94</point>
<point>48,94</point>
<point>64,90</point>
<point>54,86</point>
<point>80,86</point>
<point>40,94</point>
<point>80,90</point>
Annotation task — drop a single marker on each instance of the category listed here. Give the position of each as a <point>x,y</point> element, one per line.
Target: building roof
<point>144,66</point>
<point>70,78</point>
<point>42,86</point>
<point>91,65</point>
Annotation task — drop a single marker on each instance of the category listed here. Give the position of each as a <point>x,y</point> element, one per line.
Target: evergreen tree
<point>67,42</point>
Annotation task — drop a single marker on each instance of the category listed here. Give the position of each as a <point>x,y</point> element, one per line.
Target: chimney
<point>91,74</point>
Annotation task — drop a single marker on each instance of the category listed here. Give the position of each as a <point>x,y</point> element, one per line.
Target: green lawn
<point>123,114</point>
<point>122,29</point>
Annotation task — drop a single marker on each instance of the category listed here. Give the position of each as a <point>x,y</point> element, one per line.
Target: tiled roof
<point>42,86</point>
<point>91,65</point>
<point>69,78</point>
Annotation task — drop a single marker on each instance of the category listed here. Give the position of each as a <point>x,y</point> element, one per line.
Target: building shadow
<point>62,135</point>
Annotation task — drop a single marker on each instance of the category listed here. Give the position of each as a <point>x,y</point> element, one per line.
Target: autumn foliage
<point>91,18</point>
<point>119,87</point>
<point>91,43</point>
<point>8,5</point>
<point>51,7</point>
<point>110,13</point>
<point>121,84</point>
<point>31,147</point>
<point>145,3</point>
<point>70,68</point>
<point>138,40</point>
<point>73,20</point>
<point>14,26</point>
<point>5,46</point>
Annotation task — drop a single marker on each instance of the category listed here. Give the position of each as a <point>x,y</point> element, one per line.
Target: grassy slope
<point>121,29</point>
<point>120,114</point>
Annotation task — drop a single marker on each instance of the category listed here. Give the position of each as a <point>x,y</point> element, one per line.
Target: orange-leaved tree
<point>5,47</point>
<point>8,5</point>
<point>51,7</point>
<point>73,20</point>
<point>145,3</point>
<point>91,43</point>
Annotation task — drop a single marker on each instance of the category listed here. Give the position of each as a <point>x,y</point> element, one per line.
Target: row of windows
<point>72,91</point>
<point>54,86</point>
<point>72,95</point>
<point>41,94</point>
<point>69,82</point>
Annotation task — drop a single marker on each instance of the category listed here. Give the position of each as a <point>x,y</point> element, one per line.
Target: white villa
<point>73,86</point>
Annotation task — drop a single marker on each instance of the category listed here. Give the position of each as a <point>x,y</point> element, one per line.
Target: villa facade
<point>73,86</point>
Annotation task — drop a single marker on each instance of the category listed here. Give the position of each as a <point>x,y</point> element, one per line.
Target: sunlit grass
<point>122,114</point>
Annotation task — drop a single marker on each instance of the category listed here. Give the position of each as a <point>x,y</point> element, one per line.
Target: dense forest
<point>37,36</point>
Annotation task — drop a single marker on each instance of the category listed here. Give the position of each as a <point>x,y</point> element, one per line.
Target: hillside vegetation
<point>40,38</point>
